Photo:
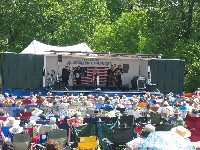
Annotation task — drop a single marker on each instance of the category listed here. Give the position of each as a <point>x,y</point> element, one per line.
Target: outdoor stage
<point>26,92</point>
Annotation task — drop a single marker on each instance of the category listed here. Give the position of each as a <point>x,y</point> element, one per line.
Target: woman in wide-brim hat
<point>16,129</point>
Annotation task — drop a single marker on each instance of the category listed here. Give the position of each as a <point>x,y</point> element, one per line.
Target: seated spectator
<point>176,119</point>
<point>53,123</point>
<point>35,114</point>
<point>2,112</point>
<point>194,112</point>
<point>11,122</point>
<point>107,105</point>
<point>135,143</point>
<point>52,145</point>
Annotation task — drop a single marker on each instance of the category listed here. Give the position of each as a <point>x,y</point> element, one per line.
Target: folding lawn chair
<point>89,142</point>
<point>21,141</point>
<point>59,135</point>
<point>193,124</point>
<point>120,136</point>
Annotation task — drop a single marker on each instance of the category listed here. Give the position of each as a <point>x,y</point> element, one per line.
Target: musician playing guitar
<point>118,76</point>
<point>110,76</point>
<point>65,75</point>
<point>77,75</point>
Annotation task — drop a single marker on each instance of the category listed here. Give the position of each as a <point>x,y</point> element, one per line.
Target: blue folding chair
<point>98,106</point>
<point>5,131</point>
<point>43,138</point>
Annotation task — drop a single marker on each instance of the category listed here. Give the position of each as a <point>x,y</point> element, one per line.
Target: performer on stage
<point>65,75</point>
<point>95,76</point>
<point>118,76</point>
<point>110,76</point>
<point>77,75</point>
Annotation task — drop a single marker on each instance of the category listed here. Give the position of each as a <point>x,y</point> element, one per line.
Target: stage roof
<point>39,48</point>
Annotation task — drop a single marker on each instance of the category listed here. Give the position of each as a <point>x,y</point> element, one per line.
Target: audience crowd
<point>20,113</point>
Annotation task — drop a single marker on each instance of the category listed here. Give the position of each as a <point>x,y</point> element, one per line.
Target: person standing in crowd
<point>77,75</point>
<point>65,75</point>
<point>95,76</point>
<point>110,76</point>
<point>118,76</point>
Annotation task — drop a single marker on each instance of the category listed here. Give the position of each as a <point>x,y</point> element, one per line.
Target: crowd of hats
<point>68,106</point>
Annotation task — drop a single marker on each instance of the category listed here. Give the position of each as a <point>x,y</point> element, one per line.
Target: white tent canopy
<point>40,48</point>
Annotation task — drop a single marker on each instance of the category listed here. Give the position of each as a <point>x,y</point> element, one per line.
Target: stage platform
<point>26,92</point>
<point>102,93</point>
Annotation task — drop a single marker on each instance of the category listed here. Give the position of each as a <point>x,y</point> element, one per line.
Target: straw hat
<point>11,122</point>
<point>182,131</point>
<point>64,99</point>
<point>123,96</point>
<point>76,99</point>
<point>6,102</point>
<point>36,112</point>
<point>16,129</point>
<point>18,103</point>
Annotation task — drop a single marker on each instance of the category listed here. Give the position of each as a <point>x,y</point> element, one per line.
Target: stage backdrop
<point>131,67</point>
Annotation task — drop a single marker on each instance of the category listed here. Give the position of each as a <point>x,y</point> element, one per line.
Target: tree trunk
<point>189,20</point>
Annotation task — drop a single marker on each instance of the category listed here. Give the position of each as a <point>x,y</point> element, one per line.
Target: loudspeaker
<point>134,82</point>
<point>59,58</point>
<point>140,84</point>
